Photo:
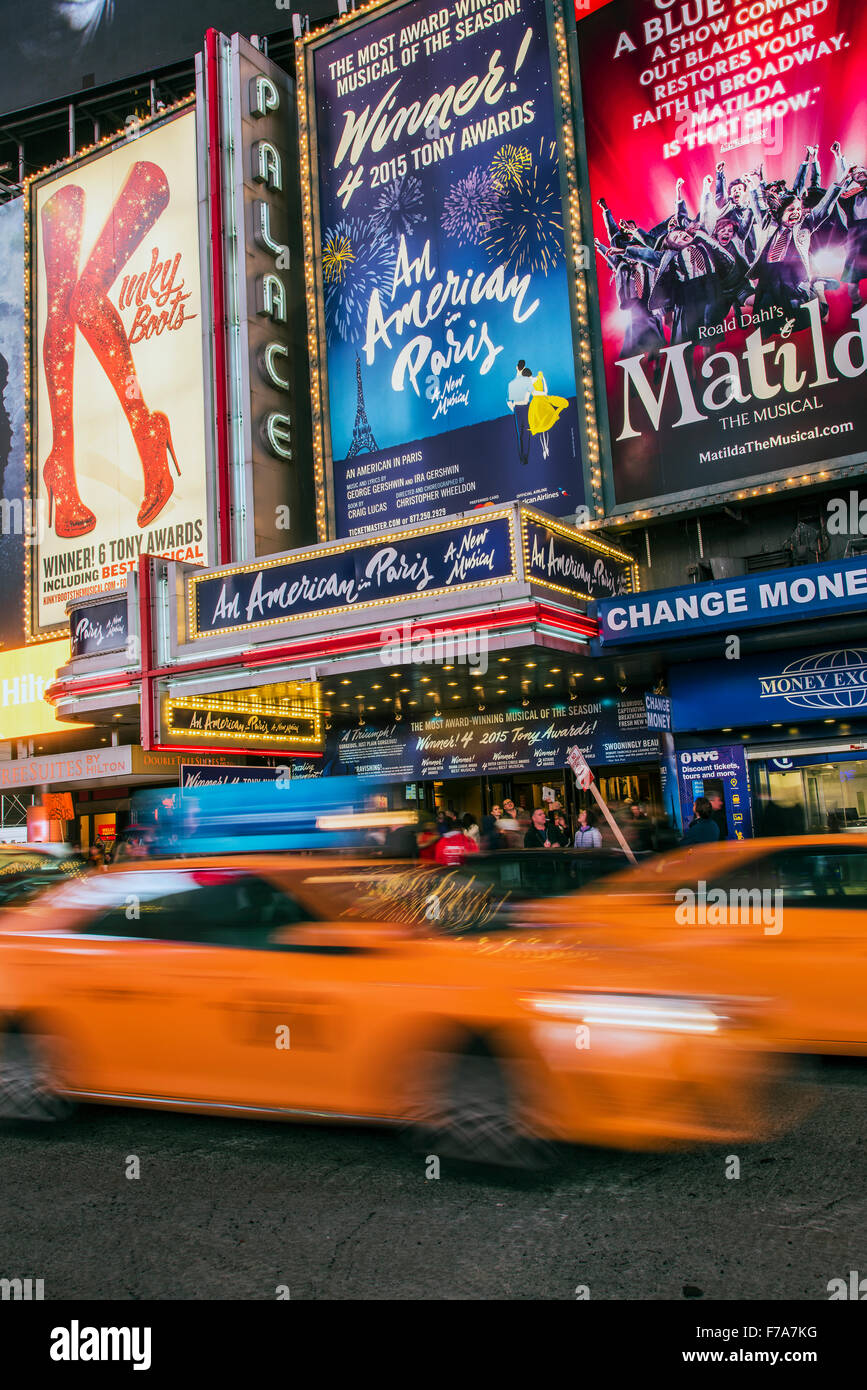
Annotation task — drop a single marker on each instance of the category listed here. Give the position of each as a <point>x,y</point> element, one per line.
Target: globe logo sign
<point>835,680</point>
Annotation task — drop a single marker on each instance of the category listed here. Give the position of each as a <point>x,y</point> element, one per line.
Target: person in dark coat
<point>703,829</point>
<point>537,836</point>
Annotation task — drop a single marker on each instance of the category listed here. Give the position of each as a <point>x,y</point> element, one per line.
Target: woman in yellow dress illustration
<point>544,411</point>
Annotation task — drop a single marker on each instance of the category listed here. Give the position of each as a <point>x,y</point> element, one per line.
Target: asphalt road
<point>225,1210</point>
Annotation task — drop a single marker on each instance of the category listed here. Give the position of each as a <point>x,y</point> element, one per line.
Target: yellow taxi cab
<point>781,919</point>
<point>316,987</point>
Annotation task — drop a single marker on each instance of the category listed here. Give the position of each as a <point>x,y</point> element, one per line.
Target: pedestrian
<point>453,846</point>
<point>702,829</point>
<point>537,835</point>
<point>427,839</point>
<point>718,812</point>
<point>96,855</point>
<point>400,842</point>
<point>640,834</point>
<point>558,831</point>
<point>509,827</point>
<point>471,827</point>
<point>587,836</point>
<point>490,837</point>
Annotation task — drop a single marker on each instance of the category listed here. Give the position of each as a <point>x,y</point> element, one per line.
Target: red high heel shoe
<point>62,221</point>
<point>72,517</point>
<point>141,201</point>
<point>153,443</point>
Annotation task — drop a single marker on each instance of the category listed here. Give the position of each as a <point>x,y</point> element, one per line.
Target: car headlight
<point>658,1013</point>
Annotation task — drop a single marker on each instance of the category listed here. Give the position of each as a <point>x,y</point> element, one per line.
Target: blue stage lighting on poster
<point>442,265</point>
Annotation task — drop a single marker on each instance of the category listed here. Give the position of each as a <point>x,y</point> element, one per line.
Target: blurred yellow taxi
<point>404,993</point>
<point>784,920</point>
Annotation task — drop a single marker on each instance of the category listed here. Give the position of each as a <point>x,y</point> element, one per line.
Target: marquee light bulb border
<point>342,548</point>
<point>314,293</point>
<point>47,174</point>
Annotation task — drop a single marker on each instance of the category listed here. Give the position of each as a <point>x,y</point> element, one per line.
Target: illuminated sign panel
<point>728,199</point>
<point>440,249</point>
<point>267,323</point>
<point>15,519</point>
<point>364,574</point>
<point>24,676</point>
<point>118,437</point>
<point>243,718</point>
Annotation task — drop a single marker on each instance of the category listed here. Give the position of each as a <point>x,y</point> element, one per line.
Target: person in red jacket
<point>453,846</point>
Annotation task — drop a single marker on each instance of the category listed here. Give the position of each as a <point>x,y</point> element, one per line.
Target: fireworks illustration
<point>509,165</point>
<point>399,207</point>
<point>470,206</point>
<point>526,231</point>
<point>360,259</point>
<point>337,254</point>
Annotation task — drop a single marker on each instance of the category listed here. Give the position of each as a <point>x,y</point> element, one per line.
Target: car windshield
<point>428,898</point>
<point>664,873</point>
<point>25,871</point>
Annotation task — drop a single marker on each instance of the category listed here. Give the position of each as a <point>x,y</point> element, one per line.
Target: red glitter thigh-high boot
<point>141,201</point>
<point>62,220</point>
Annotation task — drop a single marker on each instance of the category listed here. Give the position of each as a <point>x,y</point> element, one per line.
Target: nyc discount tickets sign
<point>438,246</point>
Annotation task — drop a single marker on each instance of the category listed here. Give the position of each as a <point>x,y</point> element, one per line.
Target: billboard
<point>435,561</point>
<point>496,743</point>
<point>24,676</point>
<point>118,441</point>
<point>13,517</point>
<point>721,775</point>
<point>730,273</point>
<point>444,367</point>
<point>807,593</point>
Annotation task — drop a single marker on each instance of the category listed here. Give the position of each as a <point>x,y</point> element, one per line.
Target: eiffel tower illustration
<point>362,434</point>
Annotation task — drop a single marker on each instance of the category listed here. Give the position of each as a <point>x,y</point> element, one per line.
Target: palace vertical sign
<point>263,260</point>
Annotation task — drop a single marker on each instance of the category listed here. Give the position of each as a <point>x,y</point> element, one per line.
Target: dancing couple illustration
<point>534,410</point>
<point>80,300</point>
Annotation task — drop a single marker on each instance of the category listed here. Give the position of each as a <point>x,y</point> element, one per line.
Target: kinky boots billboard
<point>118,441</point>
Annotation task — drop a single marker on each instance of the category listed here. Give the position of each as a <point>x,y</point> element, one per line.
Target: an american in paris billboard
<point>726,146</point>
<point>440,258</point>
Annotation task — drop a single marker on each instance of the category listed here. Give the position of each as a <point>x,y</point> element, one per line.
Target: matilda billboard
<point>730,272</point>
<point>444,372</point>
<point>118,441</point>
